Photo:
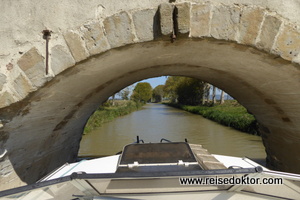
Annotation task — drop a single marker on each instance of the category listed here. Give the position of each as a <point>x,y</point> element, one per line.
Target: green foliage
<point>124,93</point>
<point>158,93</point>
<point>142,92</point>
<point>190,91</point>
<point>106,113</point>
<point>185,90</point>
<point>171,87</point>
<point>229,114</point>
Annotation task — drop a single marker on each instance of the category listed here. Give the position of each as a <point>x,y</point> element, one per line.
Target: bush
<point>106,113</point>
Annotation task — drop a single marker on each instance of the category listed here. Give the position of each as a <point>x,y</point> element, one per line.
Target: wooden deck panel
<point>205,159</point>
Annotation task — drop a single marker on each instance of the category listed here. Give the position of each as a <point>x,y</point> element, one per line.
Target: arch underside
<point>51,120</point>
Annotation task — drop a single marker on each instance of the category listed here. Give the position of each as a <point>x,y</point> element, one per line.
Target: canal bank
<point>156,121</point>
<point>230,114</point>
<point>109,111</point>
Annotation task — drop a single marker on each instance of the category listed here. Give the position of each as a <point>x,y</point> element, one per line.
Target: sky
<point>153,82</point>
<point>156,81</point>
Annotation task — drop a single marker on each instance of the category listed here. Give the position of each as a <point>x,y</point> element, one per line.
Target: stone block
<point>32,63</point>
<point>250,23</point>
<point>166,18</point>
<point>2,80</point>
<point>6,99</point>
<point>118,29</point>
<point>183,17</point>
<point>268,32</point>
<point>62,59</point>
<point>200,18</point>
<point>225,21</point>
<point>146,24</point>
<point>22,87</point>
<point>95,40</point>
<point>287,44</point>
<point>76,45</point>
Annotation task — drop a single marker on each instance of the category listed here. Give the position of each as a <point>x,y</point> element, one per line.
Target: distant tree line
<point>177,89</point>
<point>190,91</point>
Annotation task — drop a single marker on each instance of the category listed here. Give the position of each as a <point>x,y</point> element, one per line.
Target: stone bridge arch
<point>247,50</point>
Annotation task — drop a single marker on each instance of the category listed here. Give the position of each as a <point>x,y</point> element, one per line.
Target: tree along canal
<point>156,121</point>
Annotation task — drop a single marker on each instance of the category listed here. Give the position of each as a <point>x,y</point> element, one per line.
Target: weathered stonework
<point>2,80</point>
<point>288,43</point>
<point>183,17</point>
<point>62,59</point>
<point>250,24</point>
<point>200,20</point>
<point>268,33</point>
<point>32,63</point>
<point>95,40</point>
<point>51,119</point>
<point>22,87</point>
<point>166,18</point>
<point>6,99</point>
<point>225,22</point>
<point>145,23</point>
<point>76,45</point>
<point>118,29</point>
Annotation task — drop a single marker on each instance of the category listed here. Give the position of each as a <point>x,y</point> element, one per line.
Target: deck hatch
<point>174,156</point>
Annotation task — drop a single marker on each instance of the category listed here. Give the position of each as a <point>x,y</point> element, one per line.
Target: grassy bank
<point>231,114</point>
<point>108,112</point>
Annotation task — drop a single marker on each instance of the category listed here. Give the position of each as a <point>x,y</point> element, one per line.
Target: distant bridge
<point>92,49</point>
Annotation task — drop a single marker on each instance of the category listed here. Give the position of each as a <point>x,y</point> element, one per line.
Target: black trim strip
<point>167,174</point>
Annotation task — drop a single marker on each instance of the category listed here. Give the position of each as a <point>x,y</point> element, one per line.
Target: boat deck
<point>149,172</point>
<point>206,160</point>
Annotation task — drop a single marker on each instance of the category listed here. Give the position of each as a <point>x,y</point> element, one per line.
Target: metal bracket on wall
<point>46,36</point>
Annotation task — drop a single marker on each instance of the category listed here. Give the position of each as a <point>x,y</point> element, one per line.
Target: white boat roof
<point>109,165</point>
<point>100,179</point>
<point>94,166</point>
<point>230,161</point>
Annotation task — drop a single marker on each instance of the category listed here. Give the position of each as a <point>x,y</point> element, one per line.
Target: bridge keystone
<point>96,41</point>
<point>287,44</point>
<point>76,45</point>
<point>225,21</point>
<point>63,59</point>
<point>269,30</point>
<point>166,18</point>
<point>200,18</point>
<point>6,99</point>
<point>32,63</point>
<point>22,87</point>
<point>118,29</point>
<point>251,20</point>
<point>146,24</point>
<point>183,17</point>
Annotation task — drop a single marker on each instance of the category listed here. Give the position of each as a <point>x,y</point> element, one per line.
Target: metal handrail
<point>163,139</point>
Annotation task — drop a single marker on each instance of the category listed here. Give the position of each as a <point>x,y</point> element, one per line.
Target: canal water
<point>156,121</point>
